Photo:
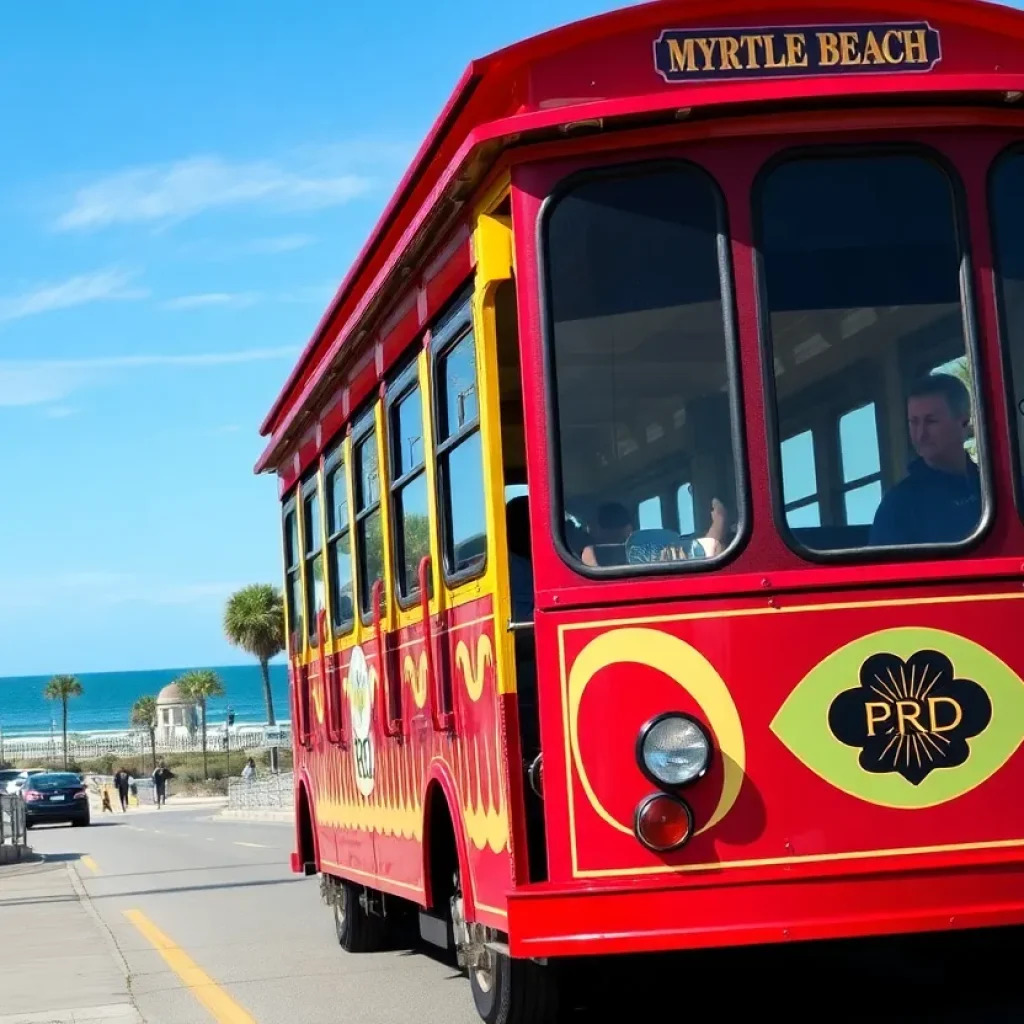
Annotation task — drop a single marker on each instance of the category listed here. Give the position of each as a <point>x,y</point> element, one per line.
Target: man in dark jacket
<point>939,501</point>
<point>161,776</point>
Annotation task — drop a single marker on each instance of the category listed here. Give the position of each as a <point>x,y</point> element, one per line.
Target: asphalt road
<point>258,945</point>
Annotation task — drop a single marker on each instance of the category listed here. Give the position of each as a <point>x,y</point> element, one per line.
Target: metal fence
<point>127,744</point>
<point>262,793</point>
<point>12,828</point>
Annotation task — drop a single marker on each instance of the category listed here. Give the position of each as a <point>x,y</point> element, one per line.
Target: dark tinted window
<point>55,781</point>
<point>861,271</point>
<point>636,266</point>
<point>460,460</point>
<point>1007,201</point>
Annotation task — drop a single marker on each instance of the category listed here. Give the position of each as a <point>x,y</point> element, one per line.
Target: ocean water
<point>107,698</point>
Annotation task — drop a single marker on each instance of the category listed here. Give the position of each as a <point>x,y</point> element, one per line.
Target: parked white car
<point>14,786</point>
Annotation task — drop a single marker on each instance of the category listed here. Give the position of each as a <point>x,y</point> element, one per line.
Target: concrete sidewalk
<point>59,963</point>
<point>173,802</point>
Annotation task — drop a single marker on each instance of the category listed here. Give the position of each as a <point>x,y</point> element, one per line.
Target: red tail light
<point>663,823</point>
<point>81,794</point>
<point>31,796</point>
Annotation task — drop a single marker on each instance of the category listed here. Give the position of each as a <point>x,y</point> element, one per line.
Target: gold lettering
<point>958,714</point>
<point>848,49</point>
<point>916,42</point>
<point>796,50</point>
<point>908,711</point>
<point>872,50</point>
<point>750,43</point>
<point>682,57</point>
<point>887,41</point>
<point>770,60</point>
<point>829,43</point>
<point>874,718</point>
<point>730,53</point>
<point>707,47</point>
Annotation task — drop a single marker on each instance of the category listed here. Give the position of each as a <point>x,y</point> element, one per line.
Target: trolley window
<point>313,553</point>
<point>339,543</point>
<point>369,538</point>
<point>1007,199</point>
<point>293,573</point>
<point>861,273</point>
<point>460,459</point>
<point>409,488</point>
<point>640,349</point>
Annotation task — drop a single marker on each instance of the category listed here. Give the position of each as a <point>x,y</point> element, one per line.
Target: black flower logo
<point>910,717</point>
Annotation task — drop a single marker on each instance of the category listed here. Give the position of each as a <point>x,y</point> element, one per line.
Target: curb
<point>129,1011</point>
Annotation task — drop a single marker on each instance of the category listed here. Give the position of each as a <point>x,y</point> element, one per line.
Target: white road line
<point>255,846</point>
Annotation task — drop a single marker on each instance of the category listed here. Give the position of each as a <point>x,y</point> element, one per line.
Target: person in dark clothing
<point>161,776</point>
<point>939,501</point>
<point>121,785</point>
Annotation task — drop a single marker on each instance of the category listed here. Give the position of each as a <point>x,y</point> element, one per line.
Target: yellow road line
<point>91,865</point>
<point>222,1007</point>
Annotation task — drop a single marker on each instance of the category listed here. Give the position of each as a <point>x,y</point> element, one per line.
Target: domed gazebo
<point>175,715</point>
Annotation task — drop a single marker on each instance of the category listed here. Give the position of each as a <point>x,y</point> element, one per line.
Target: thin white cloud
<point>282,243</point>
<point>59,412</point>
<point>208,299</point>
<point>52,381</point>
<point>168,193</point>
<point>103,589</point>
<point>103,286</point>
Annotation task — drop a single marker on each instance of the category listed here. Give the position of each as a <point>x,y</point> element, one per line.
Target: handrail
<point>439,714</point>
<point>334,705</point>
<point>392,726</point>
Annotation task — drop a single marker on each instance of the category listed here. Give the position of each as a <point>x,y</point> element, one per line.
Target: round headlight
<point>674,750</point>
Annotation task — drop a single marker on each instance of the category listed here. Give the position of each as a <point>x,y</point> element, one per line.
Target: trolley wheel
<point>358,931</point>
<point>510,991</point>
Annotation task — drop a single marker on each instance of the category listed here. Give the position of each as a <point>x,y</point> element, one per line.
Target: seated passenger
<point>939,501</point>
<point>616,527</point>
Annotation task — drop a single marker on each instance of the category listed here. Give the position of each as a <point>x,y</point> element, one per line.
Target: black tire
<point>357,931</point>
<point>519,992</point>
<point>80,822</point>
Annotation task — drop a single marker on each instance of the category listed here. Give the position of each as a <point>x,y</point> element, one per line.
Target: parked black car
<point>55,796</point>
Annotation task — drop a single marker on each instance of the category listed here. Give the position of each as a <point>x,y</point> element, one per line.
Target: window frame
<point>969,318</point>
<point>291,507</point>
<point>1014,405</point>
<point>730,329</point>
<point>451,329</point>
<point>335,460</point>
<point>311,487</point>
<point>405,381</point>
<point>364,424</point>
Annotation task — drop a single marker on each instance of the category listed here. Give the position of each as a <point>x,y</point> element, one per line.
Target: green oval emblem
<point>907,718</point>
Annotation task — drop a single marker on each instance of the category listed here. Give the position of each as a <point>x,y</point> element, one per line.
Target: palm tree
<point>63,688</point>
<point>143,716</point>
<point>254,621</point>
<point>199,686</point>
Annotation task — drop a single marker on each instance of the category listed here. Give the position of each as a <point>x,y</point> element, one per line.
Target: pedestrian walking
<point>249,771</point>
<point>106,800</point>
<point>161,776</point>
<point>121,785</point>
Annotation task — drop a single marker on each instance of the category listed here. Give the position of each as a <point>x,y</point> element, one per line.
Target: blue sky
<point>181,189</point>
